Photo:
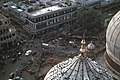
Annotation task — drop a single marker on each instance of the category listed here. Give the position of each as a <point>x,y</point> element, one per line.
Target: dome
<point>113,44</point>
<point>91,46</point>
<point>78,68</point>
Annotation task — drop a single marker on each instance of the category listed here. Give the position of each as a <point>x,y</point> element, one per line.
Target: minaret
<point>83,46</point>
<point>83,49</point>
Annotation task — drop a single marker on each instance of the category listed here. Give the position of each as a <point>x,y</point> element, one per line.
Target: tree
<point>91,20</point>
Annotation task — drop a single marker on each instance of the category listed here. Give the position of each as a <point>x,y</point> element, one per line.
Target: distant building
<point>45,18</point>
<point>93,3</point>
<point>106,2</point>
<point>89,3</point>
<point>8,37</point>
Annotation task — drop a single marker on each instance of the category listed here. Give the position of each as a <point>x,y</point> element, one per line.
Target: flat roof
<point>13,6</point>
<point>45,10</point>
<point>20,10</point>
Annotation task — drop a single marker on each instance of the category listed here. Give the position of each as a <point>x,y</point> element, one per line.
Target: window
<point>7,29</point>
<point>41,18</point>
<point>0,22</point>
<point>58,14</point>
<point>7,37</point>
<point>50,16</point>
<point>2,44</point>
<point>13,34</point>
<point>1,39</point>
<point>4,30</point>
<point>5,22</point>
<point>0,32</point>
<point>73,9</point>
<point>4,38</point>
<point>37,20</point>
<point>44,18</point>
<point>69,10</point>
<point>65,11</point>
<point>51,21</point>
<point>61,18</point>
<point>32,20</point>
<point>10,36</point>
<point>61,13</point>
<point>54,20</point>
<point>68,17</point>
<point>57,20</point>
<point>41,25</point>
<point>54,15</point>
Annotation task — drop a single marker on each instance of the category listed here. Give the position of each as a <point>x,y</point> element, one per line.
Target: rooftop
<point>45,10</point>
<point>37,8</point>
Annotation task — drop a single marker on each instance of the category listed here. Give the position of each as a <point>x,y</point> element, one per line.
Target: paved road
<point>11,67</point>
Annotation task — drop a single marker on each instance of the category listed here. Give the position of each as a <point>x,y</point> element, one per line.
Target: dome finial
<point>83,43</point>
<point>91,46</point>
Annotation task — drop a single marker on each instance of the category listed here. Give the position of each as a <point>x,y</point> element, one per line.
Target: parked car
<point>28,52</point>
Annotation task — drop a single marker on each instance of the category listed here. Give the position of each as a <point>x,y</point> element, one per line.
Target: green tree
<point>91,20</point>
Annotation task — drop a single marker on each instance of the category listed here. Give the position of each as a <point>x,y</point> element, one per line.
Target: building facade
<point>45,19</point>
<point>53,22</point>
<point>7,33</point>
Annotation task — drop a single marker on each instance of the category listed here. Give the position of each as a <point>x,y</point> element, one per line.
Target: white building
<point>112,55</point>
<point>46,17</point>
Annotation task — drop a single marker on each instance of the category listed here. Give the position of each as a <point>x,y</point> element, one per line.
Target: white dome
<point>113,37</point>
<point>113,44</point>
<point>91,46</point>
<point>77,68</point>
